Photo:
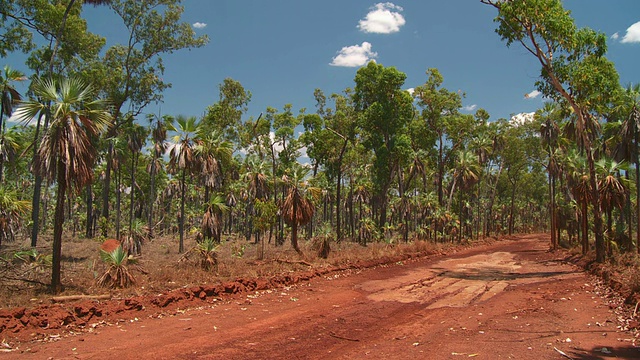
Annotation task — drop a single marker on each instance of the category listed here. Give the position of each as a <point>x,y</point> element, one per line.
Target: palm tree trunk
<point>56,285</point>
<point>595,201</point>
<point>338,197</point>
<point>107,187</point>
<point>37,187</point>
<point>294,230</point>
<point>511,208</point>
<point>132,197</point>
<point>118,200</point>
<point>554,215</point>
<point>152,197</point>
<point>89,224</point>
<point>182,199</point>
<point>637,161</point>
<point>585,227</point>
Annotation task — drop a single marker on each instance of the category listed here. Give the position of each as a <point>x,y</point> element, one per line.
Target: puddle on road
<point>460,282</point>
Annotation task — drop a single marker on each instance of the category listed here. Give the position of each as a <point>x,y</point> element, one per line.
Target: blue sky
<point>282,50</point>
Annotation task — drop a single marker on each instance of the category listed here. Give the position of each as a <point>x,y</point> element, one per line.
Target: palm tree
<point>578,180</point>
<point>612,190</point>
<point>466,174</point>
<point>213,218</point>
<point>214,153</point>
<point>256,177</point>
<point>549,134</point>
<point>9,97</point>
<point>65,154</point>
<point>53,47</point>
<point>627,114</point>
<point>298,207</point>
<point>12,210</point>
<point>182,158</point>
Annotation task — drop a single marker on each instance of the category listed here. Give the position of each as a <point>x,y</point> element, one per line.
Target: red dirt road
<point>507,300</point>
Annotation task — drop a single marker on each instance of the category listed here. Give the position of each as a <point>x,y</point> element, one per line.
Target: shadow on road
<point>497,275</point>
<point>604,352</point>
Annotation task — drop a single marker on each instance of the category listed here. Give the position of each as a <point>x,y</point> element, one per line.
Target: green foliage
<point>133,240</point>
<point>207,252</point>
<point>118,273</point>
<point>37,262</point>
<point>266,211</point>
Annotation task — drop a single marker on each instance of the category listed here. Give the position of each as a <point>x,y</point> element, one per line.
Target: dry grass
<point>25,284</point>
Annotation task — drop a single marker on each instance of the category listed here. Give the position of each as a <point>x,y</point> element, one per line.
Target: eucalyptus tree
<point>226,114</point>
<point>183,159</point>
<point>327,136</point>
<point>283,148</point>
<point>497,131</point>
<point>574,72</point>
<point>158,127</point>
<point>66,154</point>
<point>132,72</point>
<point>385,111</point>
<point>16,35</point>
<point>438,106</point>
<point>136,136</point>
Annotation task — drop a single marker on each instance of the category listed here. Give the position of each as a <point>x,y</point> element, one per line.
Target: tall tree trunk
<point>89,225</point>
<point>637,161</point>
<point>133,189</point>
<point>56,285</point>
<point>37,187</point>
<point>595,201</point>
<point>152,198</point>
<point>512,208</point>
<point>182,199</point>
<point>440,171</point>
<point>294,229</point>
<point>492,197</point>
<point>554,215</point>
<point>118,199</point>
<point>585,226</point>
<point>106,188</point>
<point>338,197</point>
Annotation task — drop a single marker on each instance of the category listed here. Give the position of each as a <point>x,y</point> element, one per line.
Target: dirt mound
<point>23,323</point>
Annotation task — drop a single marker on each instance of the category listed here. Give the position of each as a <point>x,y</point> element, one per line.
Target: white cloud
<point>522,118</point>
<point>18,118</point>
<point>14,119</point>
<point>383,18</point>
<point>470,107</point>
<point>277,145</point>
<point>532,95</point>
<point>411,91</point>
<point>353,56</point>
<point>303,155</point>
<point>633,34</point>
<point>199,25</point>
<point>615,36</point>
